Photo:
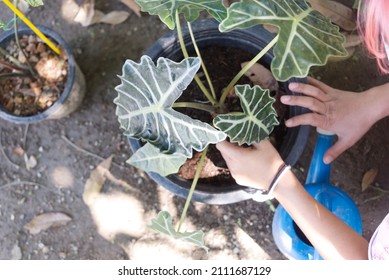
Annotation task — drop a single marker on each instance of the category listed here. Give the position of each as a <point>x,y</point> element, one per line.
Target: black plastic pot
<point>251,40</point>
<point>74,91</point>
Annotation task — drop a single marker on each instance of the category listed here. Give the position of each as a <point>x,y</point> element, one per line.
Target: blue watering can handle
<point>319,172</point>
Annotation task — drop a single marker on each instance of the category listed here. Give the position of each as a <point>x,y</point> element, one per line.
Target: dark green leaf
<point>150,159</point>
<point>35,3</point>
<point>257,120</point>
<point>166,9</point>
<point>163,224</point>
<point>144,106</point>
<point>306,37</point>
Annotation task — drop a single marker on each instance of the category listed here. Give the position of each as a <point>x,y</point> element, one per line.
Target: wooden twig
<point>85,151</point>
<point>380,190</point>
<point>25,137</point>
<point>16,183</point>
<point>4,154</point>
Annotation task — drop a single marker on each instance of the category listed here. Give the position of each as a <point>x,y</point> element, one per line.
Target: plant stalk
<point>194,105</point>
<point>11,66</point>
<point>202,62</point>
<point>20,48</point>
<point>186,55</point>
<point>12,59</point>
<point>13,75</point>
<point>16,11</point>
<point>192,187</point>
<point>244,69</point>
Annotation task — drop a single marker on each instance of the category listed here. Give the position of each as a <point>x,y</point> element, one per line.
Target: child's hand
<point>253,167</point>
<point>349,115</point>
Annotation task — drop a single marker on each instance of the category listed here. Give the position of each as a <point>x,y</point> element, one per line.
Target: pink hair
<point>373,22</point>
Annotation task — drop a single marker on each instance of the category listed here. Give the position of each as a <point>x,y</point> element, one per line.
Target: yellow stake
<point>32,26</point>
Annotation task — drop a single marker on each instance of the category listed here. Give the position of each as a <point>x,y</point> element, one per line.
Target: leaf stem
<point>12,59</point>
<point>11,66</point>
<point>20,48</point>
<point>244,69</point>
<point>186,55</point>
<point>192,187</point>
<point>13,75</point>
<point>202,63</point>
<point>194,105</point>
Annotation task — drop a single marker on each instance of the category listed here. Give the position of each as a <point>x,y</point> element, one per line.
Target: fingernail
<point>288,122</point>
<point>285,98</point>
<point>327,159</point>
<point>293,86</point>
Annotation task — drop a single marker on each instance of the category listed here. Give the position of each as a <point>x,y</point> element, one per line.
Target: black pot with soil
<point>223,54</point>
<point>53,89</point>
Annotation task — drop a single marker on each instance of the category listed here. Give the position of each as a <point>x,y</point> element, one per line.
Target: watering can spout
<point>319,172</point>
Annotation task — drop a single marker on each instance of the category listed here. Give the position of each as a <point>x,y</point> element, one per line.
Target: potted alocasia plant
<point>148,93</point>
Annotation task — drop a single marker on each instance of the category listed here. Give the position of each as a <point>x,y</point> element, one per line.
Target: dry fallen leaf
<point>261,76</point>
<point>69,10</point>
<point>30,161</point>
<point>47,220</point>
<point>368,178</point>
<point>86,13</point>
<point>189,168</point>
<point>23,6</point>
<point>96,180</point>
<point>133,6</point>
<point>337,12</point>
<point>115,17</point>
<point>97,16</point>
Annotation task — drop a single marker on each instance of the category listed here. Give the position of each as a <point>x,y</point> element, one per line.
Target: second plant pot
<point>74,89</point>
<point>252,41</point>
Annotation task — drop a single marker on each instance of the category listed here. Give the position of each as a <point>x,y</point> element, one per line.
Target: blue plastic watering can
<point>288,237</point>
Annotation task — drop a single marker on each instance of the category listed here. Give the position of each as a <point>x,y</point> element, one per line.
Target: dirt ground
<point>114,225</point>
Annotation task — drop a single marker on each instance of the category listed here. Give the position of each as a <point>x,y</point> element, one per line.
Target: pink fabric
<point>379,243</point>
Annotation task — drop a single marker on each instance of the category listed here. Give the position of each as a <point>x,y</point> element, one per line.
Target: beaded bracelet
<point>281,171</point>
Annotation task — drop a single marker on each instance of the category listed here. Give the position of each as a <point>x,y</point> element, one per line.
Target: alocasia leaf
<point>163,224</point>
<point>150,159</point>
<point>256,121</point>
<point>144,106</point>
<point>166,9</point>
<point>306,37</point>
<point>35,3</point>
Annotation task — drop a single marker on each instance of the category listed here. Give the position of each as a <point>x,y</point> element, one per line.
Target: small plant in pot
<point>39,78</point>
<point>151,95</point>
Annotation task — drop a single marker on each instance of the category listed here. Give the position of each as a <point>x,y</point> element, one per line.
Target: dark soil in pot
<point>222,64</point>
